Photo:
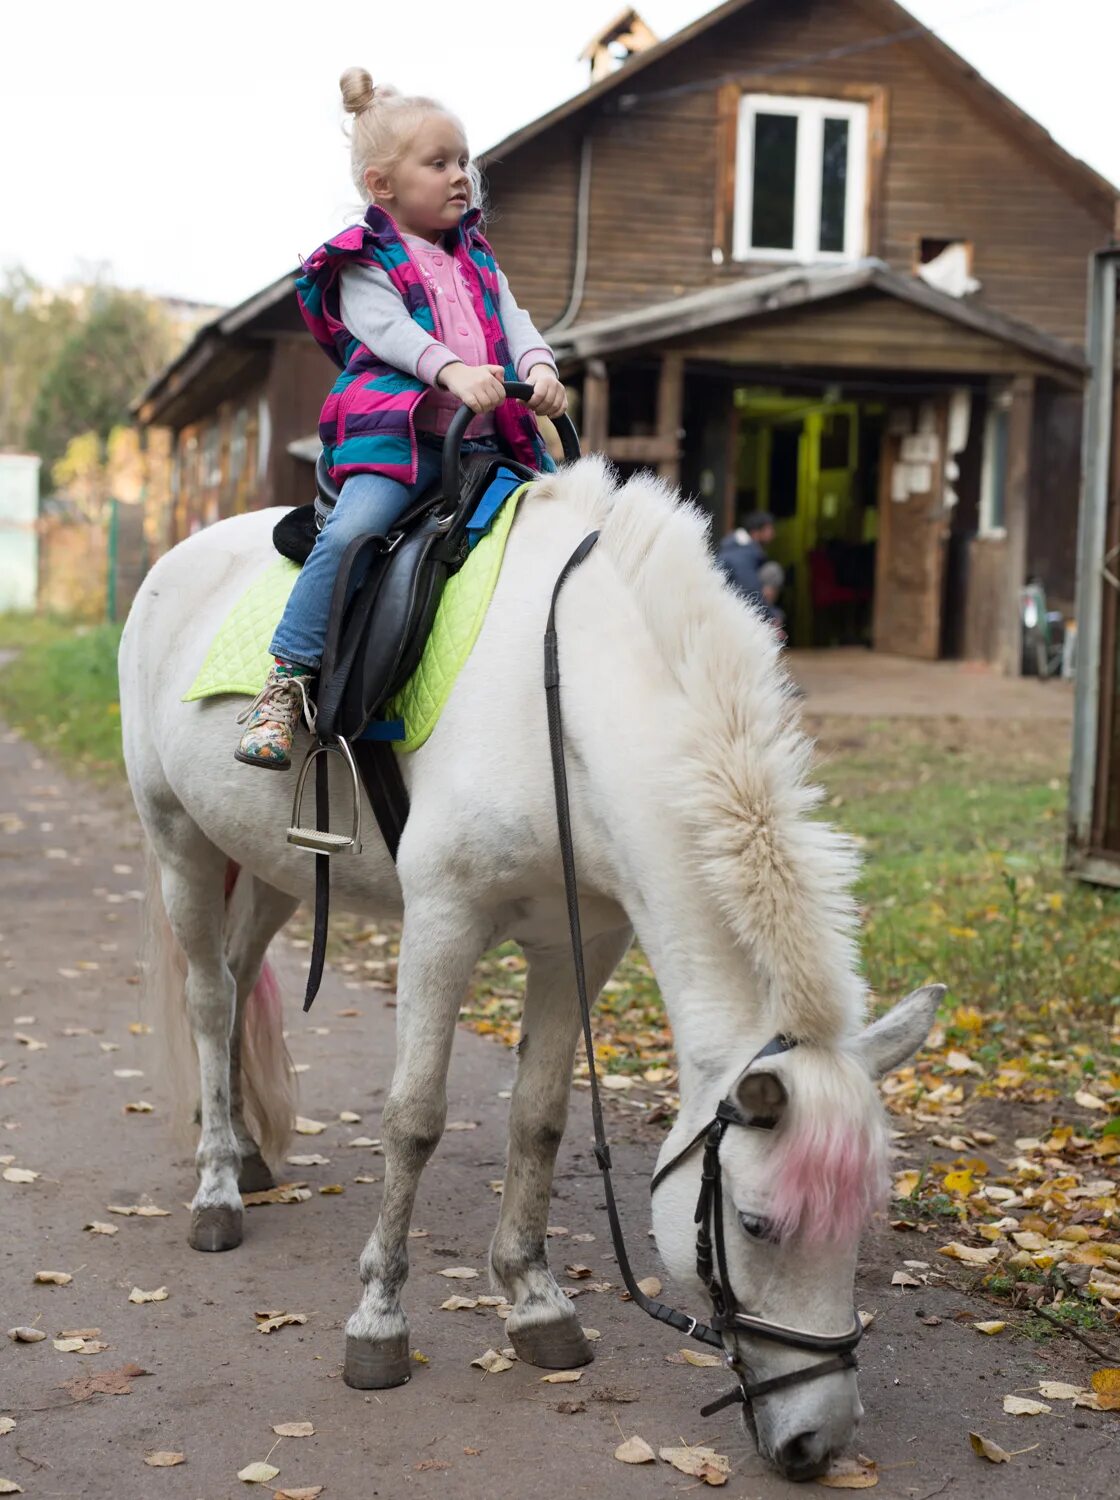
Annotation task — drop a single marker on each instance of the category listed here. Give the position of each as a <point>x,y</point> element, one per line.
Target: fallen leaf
<point>19,1174</point>
<point>25,1335</point>
<point>294,1429</point>
<point>313,1159</point>
<point>492,1362</point>
<point>971,1255</point>
<point>7,1424</point>
<point>80,1333</point>
<point>71,1345</point>
<point>31,1043</point>
<point>164,1459</point>
<point>419,1234</point>
<point>139,1107</point>
<point>308,1492</point>
<point>159,1295</point>
<point>562,1377</point>
<point>349,1117</point>
<point>650,1285</point>
<point>578,1273</point>
<point>364,1140</point>
<point>995,1326</point>
<point>284,1192</point>
<point>257,1473</point>
<point>279,1320</point>
<point>96,1228</point>
<point>365,1178</point>
<point>141,1210</point>
<point>858,1473</point>
<point>457,1304</point>
<point>459,1273</point>
<point>1023,1406</point>
<point>903,1278</point>
<point>702,1360</point>
<point>1106,1382</point>
<point>332,1187</point>
<point>308,1127</point>
<point>1089,1101</point>
<point>635,1450</point>
<point>866,1318</point>
<point>105,1383</point>
<point>54,1278</point>
<point>905,1183</point>
<point>617,1081</point>
<point>700,1463</point>
<point>127,1073</point>
<point>984,1448</point>
<point>461,1125</point>
<point>1059,1390</point>
<point>10,1487</point>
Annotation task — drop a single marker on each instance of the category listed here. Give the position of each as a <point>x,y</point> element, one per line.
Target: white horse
<point>692,825</point>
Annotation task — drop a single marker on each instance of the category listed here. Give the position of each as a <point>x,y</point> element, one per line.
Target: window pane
<point>834,183</point>
<point>775,175</point>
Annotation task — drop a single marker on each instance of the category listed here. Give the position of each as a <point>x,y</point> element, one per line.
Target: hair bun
<point>359,90</point>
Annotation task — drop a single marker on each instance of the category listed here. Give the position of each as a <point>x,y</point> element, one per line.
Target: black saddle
<point>376,633</point>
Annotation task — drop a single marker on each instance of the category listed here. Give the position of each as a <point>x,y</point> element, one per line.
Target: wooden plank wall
<point>949,169</point>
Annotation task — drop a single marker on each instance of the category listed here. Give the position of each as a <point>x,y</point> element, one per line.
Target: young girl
<point>411,304</point>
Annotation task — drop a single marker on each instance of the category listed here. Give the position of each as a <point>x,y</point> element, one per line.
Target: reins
<point>711,1250</point>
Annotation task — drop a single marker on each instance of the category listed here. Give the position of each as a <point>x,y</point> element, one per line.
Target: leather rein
<point>728,1316</point>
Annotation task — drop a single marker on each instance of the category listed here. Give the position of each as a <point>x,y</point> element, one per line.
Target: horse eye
<point>757,1227</point>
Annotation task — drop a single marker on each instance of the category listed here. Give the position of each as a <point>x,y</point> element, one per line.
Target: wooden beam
<point>596,406</point>
<point>670,413</point>
<point>642,450</point>
<point>1020,427</point>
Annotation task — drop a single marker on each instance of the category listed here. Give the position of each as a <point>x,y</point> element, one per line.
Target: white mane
<point>781,878</point>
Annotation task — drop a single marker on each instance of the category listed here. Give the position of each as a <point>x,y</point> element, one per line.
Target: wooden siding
<point>866,331</point>
<point>950,167</point>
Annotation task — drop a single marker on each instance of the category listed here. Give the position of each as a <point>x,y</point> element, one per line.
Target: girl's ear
<point>377,184</point>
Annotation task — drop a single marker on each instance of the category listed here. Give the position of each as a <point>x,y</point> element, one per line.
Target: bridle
<point>728,1316</point>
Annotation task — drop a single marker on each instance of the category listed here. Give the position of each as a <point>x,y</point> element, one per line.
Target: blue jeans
<point>366,503</point>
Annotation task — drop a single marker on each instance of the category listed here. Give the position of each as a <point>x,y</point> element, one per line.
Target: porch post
<point>1020,426</point>
<point>596,407</point>
<point>670,408</point>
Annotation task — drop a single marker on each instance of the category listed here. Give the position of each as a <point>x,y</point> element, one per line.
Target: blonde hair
<point>384,123</point>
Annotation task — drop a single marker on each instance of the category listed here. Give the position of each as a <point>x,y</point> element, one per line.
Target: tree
<point>104,363</point>
<point>34,326</point>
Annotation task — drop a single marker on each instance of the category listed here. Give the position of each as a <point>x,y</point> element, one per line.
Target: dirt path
<point>70,872</point>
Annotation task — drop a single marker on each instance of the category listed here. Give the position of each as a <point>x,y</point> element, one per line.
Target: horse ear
<point>899,1034</point>
<point>760,1094</point>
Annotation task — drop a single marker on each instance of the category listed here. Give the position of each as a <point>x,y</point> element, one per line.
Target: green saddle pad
<point>238,659</point>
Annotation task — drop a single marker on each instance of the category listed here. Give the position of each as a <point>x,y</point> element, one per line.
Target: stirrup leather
<point>321,840</point>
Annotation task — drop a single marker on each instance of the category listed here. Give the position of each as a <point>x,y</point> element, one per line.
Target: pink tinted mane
<point>828,1178</point>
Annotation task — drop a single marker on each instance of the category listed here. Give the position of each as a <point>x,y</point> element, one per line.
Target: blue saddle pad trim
<point>383,729</point>
<point>500,489</point>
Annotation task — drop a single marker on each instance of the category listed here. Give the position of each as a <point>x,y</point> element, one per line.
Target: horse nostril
<point>803,1456</point>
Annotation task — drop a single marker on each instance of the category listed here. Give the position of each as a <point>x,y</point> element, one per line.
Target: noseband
<point>728,1315</point>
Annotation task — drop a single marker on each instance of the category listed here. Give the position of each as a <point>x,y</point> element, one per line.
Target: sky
<point>196,151</point>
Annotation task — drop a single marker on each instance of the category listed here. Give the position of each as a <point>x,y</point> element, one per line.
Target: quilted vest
<point>366,424</point>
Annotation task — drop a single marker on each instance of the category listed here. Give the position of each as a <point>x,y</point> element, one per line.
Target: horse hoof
<point>375,1366</point>
<point>215,1228</point>
<point>255,1175</point>
<point>552,1346</point>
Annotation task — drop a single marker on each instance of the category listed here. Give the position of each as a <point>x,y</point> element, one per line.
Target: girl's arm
<point>526,345</point>
<point>374,312</point>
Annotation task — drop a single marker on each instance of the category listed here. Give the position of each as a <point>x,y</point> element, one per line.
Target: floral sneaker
<point>273,716</point>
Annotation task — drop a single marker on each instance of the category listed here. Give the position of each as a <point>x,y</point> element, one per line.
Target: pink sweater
<point>462,336</point>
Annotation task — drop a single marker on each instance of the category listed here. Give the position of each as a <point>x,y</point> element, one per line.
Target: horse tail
<point>268,1079</point>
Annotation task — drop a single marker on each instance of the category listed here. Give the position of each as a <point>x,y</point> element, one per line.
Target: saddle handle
<point>518,391</point>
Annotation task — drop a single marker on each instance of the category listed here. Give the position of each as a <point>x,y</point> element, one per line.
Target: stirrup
<point>322,841</point>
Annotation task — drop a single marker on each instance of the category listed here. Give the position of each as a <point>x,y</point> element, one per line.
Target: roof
<point>905,28</point>
<point>205,344</point>
<point>798,286</point>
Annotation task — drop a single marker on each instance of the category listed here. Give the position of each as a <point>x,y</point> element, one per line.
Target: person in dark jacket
<point>743,551</point>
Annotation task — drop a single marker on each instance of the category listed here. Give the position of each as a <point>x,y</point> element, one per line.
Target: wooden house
<point>800,257</point>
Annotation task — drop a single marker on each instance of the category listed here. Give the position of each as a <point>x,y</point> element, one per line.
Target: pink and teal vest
<point>366,424</point>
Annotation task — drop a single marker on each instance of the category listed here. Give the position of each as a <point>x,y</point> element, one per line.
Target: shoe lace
<point>280,689</point>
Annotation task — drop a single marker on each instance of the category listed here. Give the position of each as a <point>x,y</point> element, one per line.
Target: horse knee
<point>537,1138</point>
<point>411,1130</point>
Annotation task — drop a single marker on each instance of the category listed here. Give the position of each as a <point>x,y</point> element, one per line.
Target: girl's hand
<point>479,387</point>
<point>549,396</point>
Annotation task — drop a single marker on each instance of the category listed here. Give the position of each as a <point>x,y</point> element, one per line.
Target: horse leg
<point>192,874</point>
<point>440,943</point>
<point>543,1327</point>
<point>257,911</point>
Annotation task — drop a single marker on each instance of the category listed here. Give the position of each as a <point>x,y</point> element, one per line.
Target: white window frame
<point>993,485</point>
<point>811,114</point>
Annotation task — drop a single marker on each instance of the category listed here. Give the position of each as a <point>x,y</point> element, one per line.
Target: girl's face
<point>430,190</point>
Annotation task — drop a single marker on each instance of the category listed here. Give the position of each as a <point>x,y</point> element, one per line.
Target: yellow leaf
<point>159,1295</point>
<point>984,1448</point>
<point>1059,1390</point>
<point>959,1182</point>
<point>905,1184</point>
<point>635,1450</point>
<point>1024,1406</point>
<point>1106,1382</point>
<point>279,1320</point>
<point>700,1463</point>
<point>294,1429</point>
<point>164,1460</point>
<point>851,1474</point>
<point>996,1326</point>
<point>54,1278</point>
<point>10,1487</point>
<point>257,1473</point>
<point>459,1273</point>
<point>971,1255</point>
<point>492,1362</point>
<point>562,1377</point>
<point>308,1127</point>
<point>702,1360</point>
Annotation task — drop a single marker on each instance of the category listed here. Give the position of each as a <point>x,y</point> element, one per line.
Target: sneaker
<point>271,720</point>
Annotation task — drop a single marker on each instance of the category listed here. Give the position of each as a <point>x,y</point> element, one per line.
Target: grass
<point>61,691</point>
